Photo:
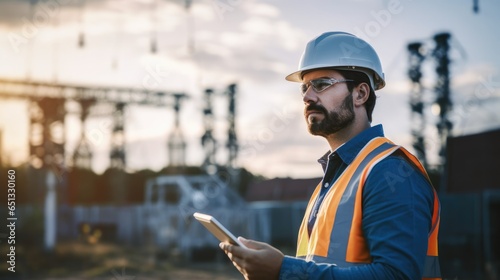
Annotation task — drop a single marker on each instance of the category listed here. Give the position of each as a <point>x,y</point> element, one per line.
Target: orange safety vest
<point>341,210</point>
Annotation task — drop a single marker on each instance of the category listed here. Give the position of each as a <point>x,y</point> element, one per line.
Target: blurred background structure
<point>123,118</point>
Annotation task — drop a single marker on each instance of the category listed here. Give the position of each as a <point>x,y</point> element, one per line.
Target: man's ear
<point>362,93</point>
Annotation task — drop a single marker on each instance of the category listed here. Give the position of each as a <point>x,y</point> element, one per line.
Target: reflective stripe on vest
<point>337,236</point>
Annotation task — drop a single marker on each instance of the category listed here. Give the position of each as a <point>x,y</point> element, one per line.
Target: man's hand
<point>260,261</point>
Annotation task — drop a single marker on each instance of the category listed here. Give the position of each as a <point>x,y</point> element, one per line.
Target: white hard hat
<point>343,51</point>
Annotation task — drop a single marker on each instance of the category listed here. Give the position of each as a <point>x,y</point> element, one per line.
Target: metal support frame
<point>232,140</point>
<point>416,57</point>
<point>207,140</point>
<point>117,154</point>
<point>442,89</point>
<point>47,113</point>
<point>46,132</point>
<point>82,156</point>
<point>176,142</point>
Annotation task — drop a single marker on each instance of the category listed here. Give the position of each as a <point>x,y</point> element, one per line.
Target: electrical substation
<point>64,199</point>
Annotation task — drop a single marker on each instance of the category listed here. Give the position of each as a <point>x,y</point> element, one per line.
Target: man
<point>375,214</point>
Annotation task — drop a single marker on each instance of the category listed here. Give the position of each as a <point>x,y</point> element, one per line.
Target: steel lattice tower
<point>442,89</point>
<point>232,140</point>
<point>117,155</point>
<point>418,124</point>
<point>176,141</point>
<point>82,156</point>
<point>47,132</point>
<point>207,140</point>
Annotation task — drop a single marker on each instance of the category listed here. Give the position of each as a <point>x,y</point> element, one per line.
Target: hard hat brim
<point>297,75</point>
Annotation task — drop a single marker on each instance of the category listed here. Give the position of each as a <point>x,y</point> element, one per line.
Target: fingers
<point>252,244</point>
<point>235,253</point>
<point>253,247</point>
<point>233,249</point>
<point>229,249</point>
<point>226,247</point>
<point>258,261</point>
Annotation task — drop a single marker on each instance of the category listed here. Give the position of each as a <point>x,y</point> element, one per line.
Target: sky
<point>252,43</point>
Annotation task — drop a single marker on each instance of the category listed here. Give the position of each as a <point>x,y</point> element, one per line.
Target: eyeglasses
<point>321,84</point>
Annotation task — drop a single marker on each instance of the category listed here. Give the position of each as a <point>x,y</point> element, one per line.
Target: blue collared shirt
<point>397,217</point>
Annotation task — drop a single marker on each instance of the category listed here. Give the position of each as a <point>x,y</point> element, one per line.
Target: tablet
<point>217,229</point>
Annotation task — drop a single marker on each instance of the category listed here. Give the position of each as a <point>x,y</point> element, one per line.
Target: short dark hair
<point>360,77</point>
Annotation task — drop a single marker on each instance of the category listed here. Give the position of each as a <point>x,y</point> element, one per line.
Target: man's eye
<point>321,85</point>
<point>304,88</point>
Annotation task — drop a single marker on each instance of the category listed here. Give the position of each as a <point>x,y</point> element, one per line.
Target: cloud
<point>203,11</point>
<point>255,43</point>
<point>243,55</point>
<point>261,9</point>
<point>277,144</point>
<point>474,75</point>
<point>276,31</point>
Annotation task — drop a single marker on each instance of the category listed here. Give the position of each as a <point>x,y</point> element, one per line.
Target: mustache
<point>315,107</point>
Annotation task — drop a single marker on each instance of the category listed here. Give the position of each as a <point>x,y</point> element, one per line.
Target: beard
<point>333,121</point>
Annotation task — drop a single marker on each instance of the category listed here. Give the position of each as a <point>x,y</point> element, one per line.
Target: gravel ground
<point>78,260</point>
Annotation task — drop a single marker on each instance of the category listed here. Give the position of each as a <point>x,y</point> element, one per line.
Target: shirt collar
<point>348,151</point>
<point>324,160</point>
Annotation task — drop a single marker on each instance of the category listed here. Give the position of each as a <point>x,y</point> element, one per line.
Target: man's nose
<point>310,96</point>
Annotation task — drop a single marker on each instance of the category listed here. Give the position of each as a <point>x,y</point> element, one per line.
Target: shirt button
<point>326,185</point>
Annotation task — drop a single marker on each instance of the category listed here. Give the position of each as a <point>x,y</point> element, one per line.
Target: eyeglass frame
<point>311,82</point>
